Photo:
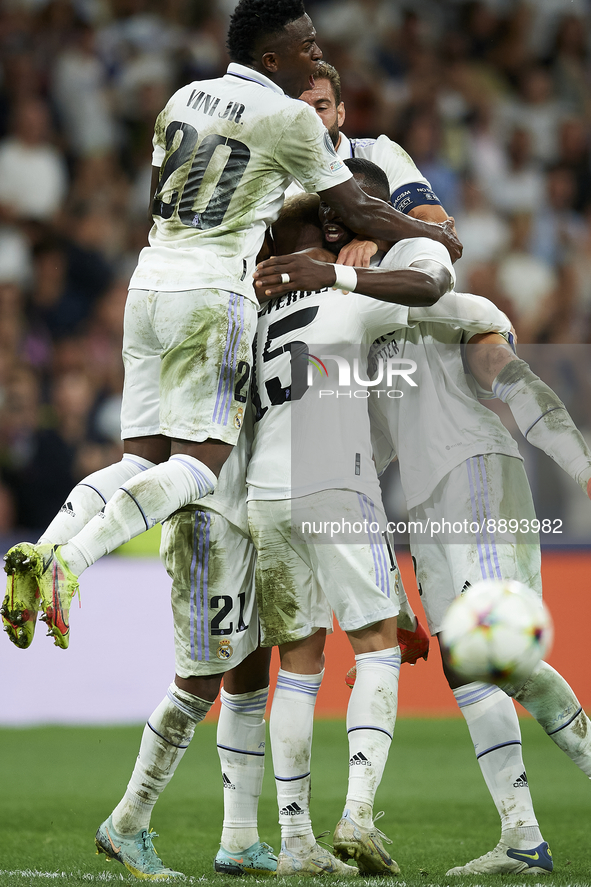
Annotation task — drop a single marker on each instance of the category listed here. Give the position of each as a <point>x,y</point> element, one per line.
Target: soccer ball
<point>497,631</point>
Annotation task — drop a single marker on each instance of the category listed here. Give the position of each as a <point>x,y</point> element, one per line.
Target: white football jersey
<point>311,429</point>
<point>396,163</point>
<point>311,387</point>
<point>227,149</point>
<point>439,423</point>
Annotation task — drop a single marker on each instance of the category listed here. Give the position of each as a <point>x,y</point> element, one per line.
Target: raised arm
<point>421,284</point>
<point>377,219</point>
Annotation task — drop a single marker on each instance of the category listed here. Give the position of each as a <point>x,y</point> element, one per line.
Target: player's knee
<point>203,686</point>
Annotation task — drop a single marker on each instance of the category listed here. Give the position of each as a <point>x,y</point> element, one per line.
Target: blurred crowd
<point>491,99</point>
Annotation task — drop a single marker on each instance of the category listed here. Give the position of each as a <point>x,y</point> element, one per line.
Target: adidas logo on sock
<point>521,781</point>
<point>359,759</point>
<point>466,586</point>
<point>227,782</point>
<point>68,509</point>
<point>291,810</point>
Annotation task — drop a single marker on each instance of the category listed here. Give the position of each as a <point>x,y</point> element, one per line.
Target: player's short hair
<point>374,175</point>
<point>324,71</point>
<point>255,19</point>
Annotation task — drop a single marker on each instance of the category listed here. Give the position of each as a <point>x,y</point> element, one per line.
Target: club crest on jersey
<point>239,418</point>
<point>224,650</point>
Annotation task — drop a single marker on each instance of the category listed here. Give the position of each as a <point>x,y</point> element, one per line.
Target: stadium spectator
<point>33,177</point>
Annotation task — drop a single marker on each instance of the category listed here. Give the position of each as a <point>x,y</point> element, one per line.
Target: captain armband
<point>407,197</point>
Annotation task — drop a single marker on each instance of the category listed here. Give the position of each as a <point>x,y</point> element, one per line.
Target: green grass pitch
<point>58,784</point>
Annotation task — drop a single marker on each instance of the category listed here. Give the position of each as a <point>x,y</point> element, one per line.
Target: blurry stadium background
<point>493,102</point>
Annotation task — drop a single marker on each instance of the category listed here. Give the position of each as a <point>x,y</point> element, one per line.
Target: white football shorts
<point>187,359</point>
<point>476,525</point>
<point>212,567</point>
<point>300,581</point>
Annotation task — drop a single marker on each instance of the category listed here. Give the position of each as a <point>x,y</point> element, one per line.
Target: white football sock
<point>89,497</point>
<point>137,506</point>
<point>241,748</point>
<point>543,419</point>
<point>551,701</point>
<point>371,717</point>
<point>290,728</point>
<point>166,737</point>
<point>494,729</point>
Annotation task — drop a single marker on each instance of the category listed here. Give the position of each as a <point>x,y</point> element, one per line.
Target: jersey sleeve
<point>473,314</point>
<point>407,252</point>
<point>408,187</point>
<point>380,318</point>
<point>305,150</point>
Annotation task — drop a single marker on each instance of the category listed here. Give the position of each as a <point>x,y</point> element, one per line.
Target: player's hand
<point>285,274</point>
<point>357,253</point>
<point>450,239</point>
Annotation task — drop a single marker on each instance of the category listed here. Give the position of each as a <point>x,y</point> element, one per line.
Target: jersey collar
<point>244,73</point>
<point>344,151</point>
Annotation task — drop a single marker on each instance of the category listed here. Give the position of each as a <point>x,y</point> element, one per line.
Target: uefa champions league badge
<point>224,650</point>
<point>238,418</point>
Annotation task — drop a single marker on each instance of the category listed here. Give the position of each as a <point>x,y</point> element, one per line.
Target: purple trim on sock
<point>242,751</point>
<point>567,723</point>
<point>98,492</point>
<point>153,729</point>
<point>291,778</point>
<point>496,747</point>
<point>140,509</point>
<point>368,727</point>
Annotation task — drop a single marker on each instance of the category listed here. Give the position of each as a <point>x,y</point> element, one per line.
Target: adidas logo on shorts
<point>359,759</point>
<point>291,810</point>
<point>227,782</point>
<point>521,781</point>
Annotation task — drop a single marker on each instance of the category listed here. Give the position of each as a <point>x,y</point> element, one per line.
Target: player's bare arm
<point>379,220</point>
<point>422,284</point>
<point>360,251</point>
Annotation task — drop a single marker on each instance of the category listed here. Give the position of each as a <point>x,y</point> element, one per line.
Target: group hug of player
<point>231,443</point>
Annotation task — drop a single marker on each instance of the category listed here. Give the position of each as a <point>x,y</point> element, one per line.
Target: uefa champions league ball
<point>497,631</point>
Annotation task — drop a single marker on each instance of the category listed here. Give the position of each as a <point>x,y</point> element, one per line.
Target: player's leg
<point>411,636</point>
<point>294,616</point>
<point>125,835</point>
<point>216,624</point>
<point>360,582</point>
<point>241,734</point>
<point>446,565</point>
<point>552,702</point>
<point>212,628</point>
<point>546,694</point>
<point>204,351</point>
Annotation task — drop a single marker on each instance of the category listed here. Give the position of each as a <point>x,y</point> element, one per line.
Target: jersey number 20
<point>207,211</point>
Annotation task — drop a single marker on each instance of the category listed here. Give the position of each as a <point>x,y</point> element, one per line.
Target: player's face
<point>297,56</point>
<point>336,234</point>
<point>322,99</point>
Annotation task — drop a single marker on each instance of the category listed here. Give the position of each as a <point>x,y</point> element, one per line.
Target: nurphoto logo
<point>386,371</point>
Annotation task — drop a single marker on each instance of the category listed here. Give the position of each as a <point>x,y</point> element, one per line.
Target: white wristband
<point>346,278</point>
